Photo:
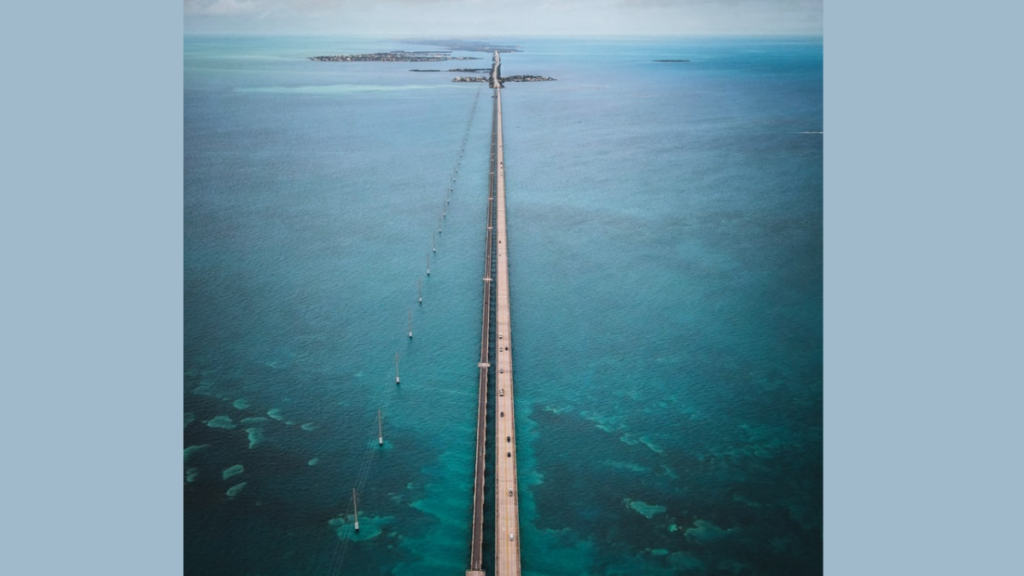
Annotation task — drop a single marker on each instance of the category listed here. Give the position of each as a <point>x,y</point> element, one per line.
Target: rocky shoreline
<point>396,56</point>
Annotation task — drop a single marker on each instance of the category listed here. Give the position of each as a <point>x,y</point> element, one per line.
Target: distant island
<point>427,70</point>
<point>671,60</point>
<point>467,45</point>
<point>526,78</point>
<point>395,56</point>
<point>516,78</point>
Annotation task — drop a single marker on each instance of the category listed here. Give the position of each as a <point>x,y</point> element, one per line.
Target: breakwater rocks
<point>470,79</point>
<point>396,56</point>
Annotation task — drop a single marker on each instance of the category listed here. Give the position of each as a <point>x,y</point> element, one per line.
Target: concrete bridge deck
<point>506,530</point>
<point>506,517</point>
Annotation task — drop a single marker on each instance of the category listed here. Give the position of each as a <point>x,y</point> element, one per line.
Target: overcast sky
<point>497,18</point>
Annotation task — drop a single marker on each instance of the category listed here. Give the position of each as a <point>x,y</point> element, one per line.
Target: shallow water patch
<point>629,466</point>
<point>222,422</point>
<point>370,527</point>
<point>193,449</point>
<point>233,471</point>
<point>255,437</point>
<point>648,510</point>
<point>704,532</point>
<point>234,490</point>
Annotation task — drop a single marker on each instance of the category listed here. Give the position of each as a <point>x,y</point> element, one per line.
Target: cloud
<point>246,7</point>
<point>505,17</point>
<point>223,7</point>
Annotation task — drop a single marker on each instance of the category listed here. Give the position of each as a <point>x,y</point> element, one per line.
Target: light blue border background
<point>923,288</point>
<point>923,268</point>
<point>90,328</point>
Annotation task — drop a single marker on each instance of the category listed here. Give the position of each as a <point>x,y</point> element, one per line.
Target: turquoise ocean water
<point>666,269</point>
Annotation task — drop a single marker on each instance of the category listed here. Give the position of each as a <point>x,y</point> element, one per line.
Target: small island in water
<point>394,56</point>
<point>526,78</point>
<point>516,78</point>
<point>467,45</point>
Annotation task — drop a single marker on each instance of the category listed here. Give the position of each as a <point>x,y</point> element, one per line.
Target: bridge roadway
<point>506,518</point>
<point>506,501</point>
<point>496,71</point>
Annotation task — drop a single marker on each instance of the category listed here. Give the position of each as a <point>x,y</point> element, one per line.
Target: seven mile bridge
<point>506,499</point>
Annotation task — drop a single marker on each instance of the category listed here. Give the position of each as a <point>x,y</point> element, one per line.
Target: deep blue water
<point>665,244</point>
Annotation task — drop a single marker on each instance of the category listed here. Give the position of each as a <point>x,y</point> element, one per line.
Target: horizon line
<point>392,36</point>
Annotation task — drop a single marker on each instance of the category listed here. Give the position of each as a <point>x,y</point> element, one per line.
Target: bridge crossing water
<point>506,518</point>
<point>476,549</point>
